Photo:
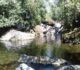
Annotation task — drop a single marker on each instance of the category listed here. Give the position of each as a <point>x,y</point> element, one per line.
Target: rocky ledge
<point>42,60</point>
<point>59,63</point>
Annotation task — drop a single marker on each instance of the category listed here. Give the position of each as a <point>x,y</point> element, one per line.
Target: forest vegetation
<point>29,13</point>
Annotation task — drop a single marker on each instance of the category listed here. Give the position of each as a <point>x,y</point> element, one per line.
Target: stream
<point>10,52</point>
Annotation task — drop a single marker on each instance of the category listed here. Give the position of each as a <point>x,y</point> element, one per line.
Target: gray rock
<point>70,67</point>
<point>24,66</point>
<point>59,62</point>
<point>42,59</point>
<point>14,35</point>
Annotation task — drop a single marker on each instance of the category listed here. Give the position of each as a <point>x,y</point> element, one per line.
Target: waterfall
<point>49,50</point>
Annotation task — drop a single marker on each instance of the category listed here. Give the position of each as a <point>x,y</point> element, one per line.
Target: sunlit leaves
<point>13,12</point>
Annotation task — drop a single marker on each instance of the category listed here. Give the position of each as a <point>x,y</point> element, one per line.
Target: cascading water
<point>48,5</point>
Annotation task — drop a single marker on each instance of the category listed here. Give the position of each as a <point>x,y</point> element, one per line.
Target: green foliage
<point>21,12</point>
<point>9,13</point>
<point>67,10</point>
<point>32,12</point>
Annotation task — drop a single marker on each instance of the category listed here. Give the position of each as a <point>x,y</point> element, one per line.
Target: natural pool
<point>11,51</point>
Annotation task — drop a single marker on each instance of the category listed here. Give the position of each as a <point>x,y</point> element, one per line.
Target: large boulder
<point>17,35</point>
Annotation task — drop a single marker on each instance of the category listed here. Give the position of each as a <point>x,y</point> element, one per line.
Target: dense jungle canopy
<point>32,12</point>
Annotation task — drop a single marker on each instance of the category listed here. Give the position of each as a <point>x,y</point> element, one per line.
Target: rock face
<point>48,34</point>
<point>17,35</point>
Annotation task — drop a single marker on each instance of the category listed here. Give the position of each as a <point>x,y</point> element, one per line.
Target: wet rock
<point>24,66</point>
<point>42,60</point>
<point>60,62</point>
<point>70,67</point>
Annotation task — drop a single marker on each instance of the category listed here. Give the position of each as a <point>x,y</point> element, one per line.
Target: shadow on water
<point>43,67</point>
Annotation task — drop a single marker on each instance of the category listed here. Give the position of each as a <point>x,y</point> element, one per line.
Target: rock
<point>23,58</point>
<point>59,62</point>
<point>24,66</point>
<point>66,68</point>
<point>44,33</point>
<point>50,33</point>
<point>39,29</point>
<point>70,67</point>
<point>42,59</point>
<point>13,35</point>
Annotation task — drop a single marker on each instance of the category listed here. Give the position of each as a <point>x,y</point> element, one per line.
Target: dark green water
<point>11,51</point>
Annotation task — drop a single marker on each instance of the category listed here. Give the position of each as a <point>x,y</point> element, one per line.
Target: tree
<point>67,10</point>
<point>24,12</point>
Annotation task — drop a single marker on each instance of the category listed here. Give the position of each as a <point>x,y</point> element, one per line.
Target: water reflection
<point>49,50</point>
<point>16,44</point>
<point>37,47</point>
<point>40,47</point>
